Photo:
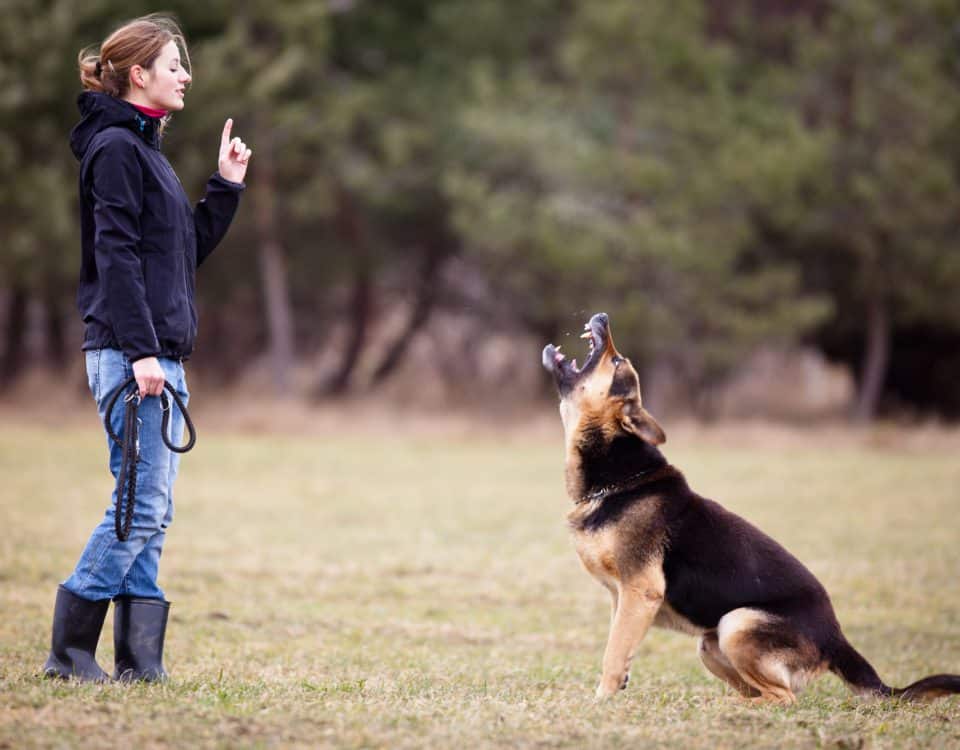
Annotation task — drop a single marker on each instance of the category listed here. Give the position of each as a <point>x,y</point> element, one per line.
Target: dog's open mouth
<point>566,371</point>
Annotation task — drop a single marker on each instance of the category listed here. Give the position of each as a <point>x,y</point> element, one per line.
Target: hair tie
<point>97,69</point>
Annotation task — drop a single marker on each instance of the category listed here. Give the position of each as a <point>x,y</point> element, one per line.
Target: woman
<point>142,241</point>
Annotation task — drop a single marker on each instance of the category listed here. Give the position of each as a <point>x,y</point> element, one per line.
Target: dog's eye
<point>617,360</point>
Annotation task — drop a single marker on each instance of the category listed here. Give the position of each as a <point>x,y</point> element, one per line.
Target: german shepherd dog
<point>674,559</point>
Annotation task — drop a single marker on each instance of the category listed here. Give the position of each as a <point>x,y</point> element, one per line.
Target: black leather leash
<point>130,446</point>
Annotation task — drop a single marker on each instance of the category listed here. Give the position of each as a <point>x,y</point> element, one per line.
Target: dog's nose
<point>548,357</point>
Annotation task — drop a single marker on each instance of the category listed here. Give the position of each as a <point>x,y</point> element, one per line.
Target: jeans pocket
<point>93,372</point>
<point>113,369</point>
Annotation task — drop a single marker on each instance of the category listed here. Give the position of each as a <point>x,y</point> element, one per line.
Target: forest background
<point>440,187</point>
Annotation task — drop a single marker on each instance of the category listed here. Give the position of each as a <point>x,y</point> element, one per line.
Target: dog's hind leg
<point>765,651</point>
<point>717,663</point>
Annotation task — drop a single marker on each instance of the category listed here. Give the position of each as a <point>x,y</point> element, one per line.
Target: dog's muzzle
<point>566,373</point>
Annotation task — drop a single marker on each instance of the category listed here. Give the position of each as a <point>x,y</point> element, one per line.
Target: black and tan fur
<point>674,559</point>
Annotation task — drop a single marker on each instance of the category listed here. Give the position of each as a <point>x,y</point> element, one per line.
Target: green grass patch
<point>376,591</point>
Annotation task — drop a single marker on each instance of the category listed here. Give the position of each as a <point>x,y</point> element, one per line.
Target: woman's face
<point>165,81</point>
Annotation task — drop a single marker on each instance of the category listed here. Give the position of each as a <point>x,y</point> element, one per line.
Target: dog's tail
<point>848,664</point>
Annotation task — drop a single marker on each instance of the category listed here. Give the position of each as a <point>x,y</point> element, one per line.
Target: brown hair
<point>137,42</point>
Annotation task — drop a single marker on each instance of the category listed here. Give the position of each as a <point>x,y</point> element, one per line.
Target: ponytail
<point>98,76</point>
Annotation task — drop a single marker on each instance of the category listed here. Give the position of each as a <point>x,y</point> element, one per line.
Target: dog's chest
<point>598,554</point>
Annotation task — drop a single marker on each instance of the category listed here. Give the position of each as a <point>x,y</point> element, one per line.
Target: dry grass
<point>420,590</point>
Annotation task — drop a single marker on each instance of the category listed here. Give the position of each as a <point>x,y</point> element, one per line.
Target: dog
<point>674,559</point>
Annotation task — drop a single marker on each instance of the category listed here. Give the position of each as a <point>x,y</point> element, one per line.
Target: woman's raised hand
<point>234,155</point>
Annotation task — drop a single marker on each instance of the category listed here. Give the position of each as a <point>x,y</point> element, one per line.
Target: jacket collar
<point>100,111</point>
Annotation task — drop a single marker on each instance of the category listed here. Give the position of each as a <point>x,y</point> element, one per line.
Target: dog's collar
<point>617,487</point>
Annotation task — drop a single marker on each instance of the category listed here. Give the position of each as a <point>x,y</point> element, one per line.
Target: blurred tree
<point>38,52</point>
<point>615,167</point>
<point>875,227</point>
<point>262,69</point>
<point>346,131</point>
<point>714,175</point>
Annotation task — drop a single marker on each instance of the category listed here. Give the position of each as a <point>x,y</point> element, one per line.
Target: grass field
<point>384,590</point>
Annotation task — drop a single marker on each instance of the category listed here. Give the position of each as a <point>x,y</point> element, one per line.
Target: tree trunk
<point>876,359</point>
<point>273,266</point>
<point>425,297</point>
<point>14,352</point>
<point>349,227</point>
<point>56,338</point>
<point>360,309</point>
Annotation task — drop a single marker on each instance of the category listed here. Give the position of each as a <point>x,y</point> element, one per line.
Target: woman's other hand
<point>149,375</point>
<point>234,155</point>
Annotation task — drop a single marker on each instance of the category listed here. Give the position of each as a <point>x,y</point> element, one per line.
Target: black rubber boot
<point>139,626</point>
<point>76,629</point>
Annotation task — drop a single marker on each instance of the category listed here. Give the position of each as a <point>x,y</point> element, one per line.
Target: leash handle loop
<point>130,446</point>
<point>164,404</point>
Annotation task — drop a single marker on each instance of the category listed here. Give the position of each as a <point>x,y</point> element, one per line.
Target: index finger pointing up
<point>225,138</point>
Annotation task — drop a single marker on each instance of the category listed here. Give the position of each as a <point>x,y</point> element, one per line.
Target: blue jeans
<point>107,567</point>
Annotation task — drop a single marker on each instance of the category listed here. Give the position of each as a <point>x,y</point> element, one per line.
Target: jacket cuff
<point>140,355</point>
<point>221,180</point>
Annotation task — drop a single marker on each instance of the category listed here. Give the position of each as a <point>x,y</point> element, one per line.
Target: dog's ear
<point>638,421</point>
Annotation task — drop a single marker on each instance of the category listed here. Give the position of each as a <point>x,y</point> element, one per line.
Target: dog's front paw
<point>610,687</point>
<point>603,693</point>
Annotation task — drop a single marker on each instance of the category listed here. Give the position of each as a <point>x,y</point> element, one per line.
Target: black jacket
<point>141,238</point>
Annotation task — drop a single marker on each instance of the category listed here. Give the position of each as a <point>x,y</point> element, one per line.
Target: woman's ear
<point>638,421</point>
<point>136,76</point>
